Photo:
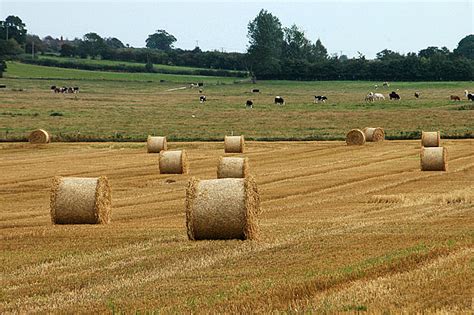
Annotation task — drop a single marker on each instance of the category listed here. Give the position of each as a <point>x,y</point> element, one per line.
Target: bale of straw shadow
<point>225,208</point>
<point>430,138</point>
<point>39,136</point>
<point>234,144</point>
<point>374,134</point>
<point>232,167</point>
<point>355,137</point>
<point>78,200</point>
<point>434,159</point>
<point>173,162</point>
<point>156,144</point>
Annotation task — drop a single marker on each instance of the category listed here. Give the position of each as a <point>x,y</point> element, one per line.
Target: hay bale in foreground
<point>224,208</point>
<point>232,167</point>
<point>430,138</point>
<point>374,134</point>
<point>156,144</point>
<point>173,162</point>
<point>234,144</point>
<point>39,136</point>
<point>76,200</point>
<point>434,159</point>
<point>355,137</point>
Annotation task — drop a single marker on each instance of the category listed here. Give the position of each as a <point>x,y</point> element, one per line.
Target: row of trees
<point>277,52</point>
<point>274,52</point>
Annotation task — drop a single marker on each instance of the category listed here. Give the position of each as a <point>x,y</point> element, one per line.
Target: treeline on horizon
<point>274,52</point>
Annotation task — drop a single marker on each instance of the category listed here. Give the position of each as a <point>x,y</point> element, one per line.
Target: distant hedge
<point>130,68</point>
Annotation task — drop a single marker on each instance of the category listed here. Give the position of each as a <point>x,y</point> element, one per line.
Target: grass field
<point>124,106</point>
<point>343,229</point>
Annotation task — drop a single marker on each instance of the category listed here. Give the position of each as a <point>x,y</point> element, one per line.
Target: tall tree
<point>13,27</point>
<point>91,45</point>
<point>113,43</point>
<point>161,39</point>
<point>296,45</point>
<point>433,51</point>
<point>318,51</point>
<point>465,47</point>
<point>265,44</point>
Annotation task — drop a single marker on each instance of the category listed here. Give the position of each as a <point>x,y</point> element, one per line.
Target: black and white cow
<point>394,96</point>
<point>320,98</point>
<point>470,96</point>
<point>279,100</point>
<point>249,104</point>
<point>202,99</point>
<point>417,94</point>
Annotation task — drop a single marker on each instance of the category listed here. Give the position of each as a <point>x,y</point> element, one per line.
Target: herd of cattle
<point>65,89</point>
<point>370,97</point>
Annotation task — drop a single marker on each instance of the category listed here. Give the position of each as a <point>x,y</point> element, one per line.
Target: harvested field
<point>342,228</point>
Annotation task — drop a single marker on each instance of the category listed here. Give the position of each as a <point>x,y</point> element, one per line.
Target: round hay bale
<point>232,167</point>
<point>224,208</point>
<point>234,144</point>
<point>173,162</point>
<point>355,137</point>
<point>156,144</point>
<point>76,200</point>
<point>434,159</point>
<point>39,136</point>
<point>430,138</point>
<point>374,134</point>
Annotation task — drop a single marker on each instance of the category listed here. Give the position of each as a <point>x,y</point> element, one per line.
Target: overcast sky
<point>343,26</point>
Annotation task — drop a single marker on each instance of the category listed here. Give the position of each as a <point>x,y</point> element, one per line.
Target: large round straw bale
<point>77,200</point>
<point>156,144</point>
<point>224,208</point>
<point>434,159</point>
<point>232,167</point>
<point>430,138</point>
<point>234,144</point>
<point>355,137</point>
<point>39,136</point>
<point>173,162</point>
<point>374,134</point>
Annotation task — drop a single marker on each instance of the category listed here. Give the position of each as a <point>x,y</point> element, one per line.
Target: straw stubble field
<point>342,228</point>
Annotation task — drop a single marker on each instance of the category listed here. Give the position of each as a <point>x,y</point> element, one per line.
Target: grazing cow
<point>386,84</point>
<point>417,94</point>
<point>249,104</point>
<point>470,96</point>
<point>370,97</point>
<point>454,98</point>
<point>394,96</point>
<point>76,89</point>
<point>255,91</point>
<point>53,88</point>
<point>379,96</point>
<point>320,98</point>
<point>70,90</point>
<point>192,85</point>
<point>279,100</point>
<point>202,99</point>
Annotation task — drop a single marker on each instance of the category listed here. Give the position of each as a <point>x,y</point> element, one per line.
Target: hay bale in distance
<point>173,162</point>
<point>374,134</point>
<point>234,144</point>
<point>224,208</point>
<point>39,136</point>
<point>434,159</point>
<point>430,138</point>
<point>355,137</point>
<point>156,144</point>
<point>232,167</point>
<point>76,200</point>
